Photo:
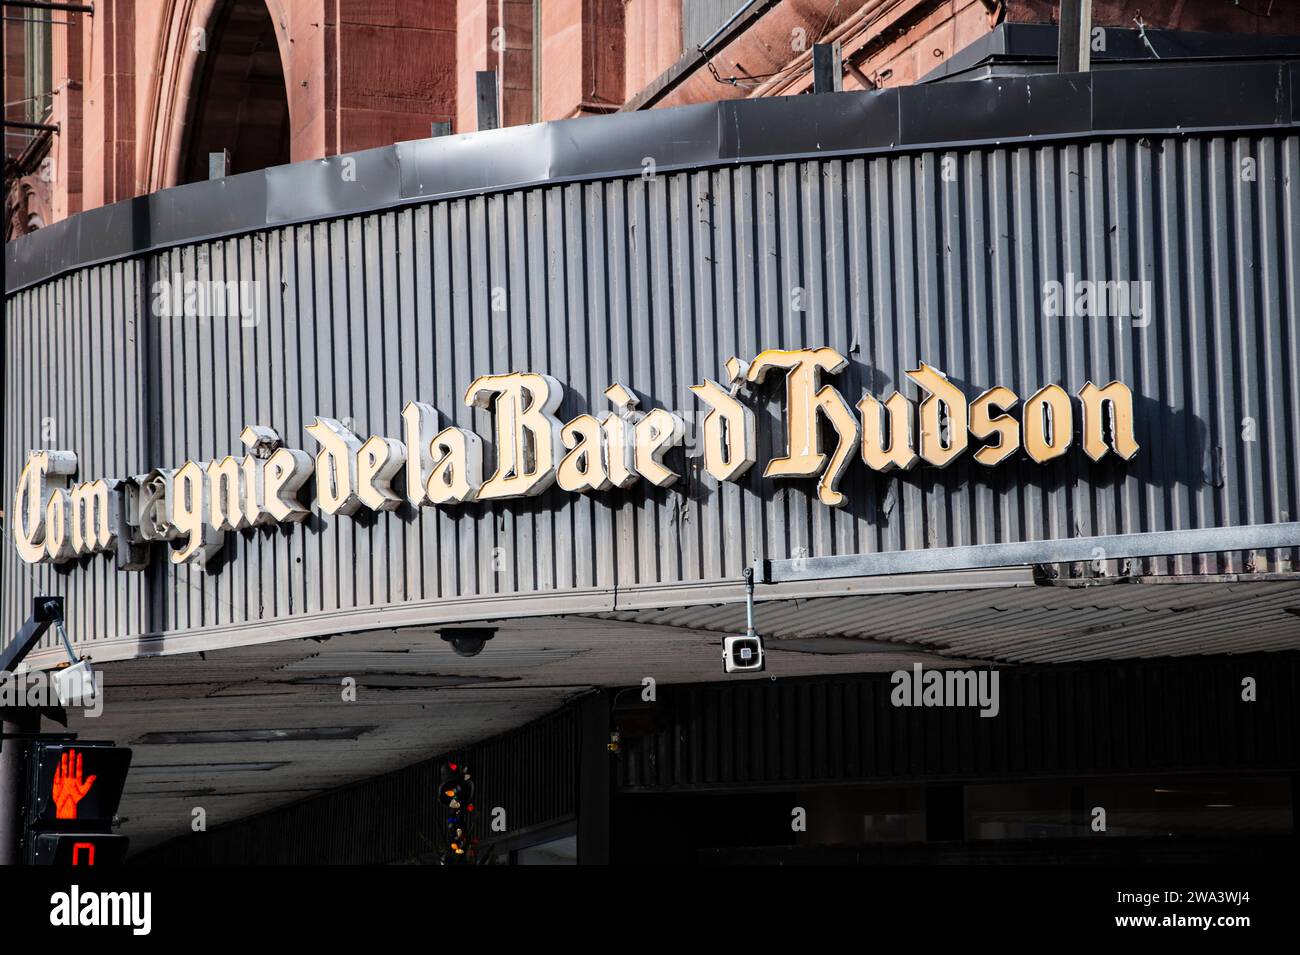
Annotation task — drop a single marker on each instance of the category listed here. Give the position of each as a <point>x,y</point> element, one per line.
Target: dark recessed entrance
<point>240,103</point>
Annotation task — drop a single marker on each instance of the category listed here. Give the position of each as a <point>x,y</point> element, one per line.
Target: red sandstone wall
<point>653,41</point>
<point>396,70</point>
<point>362,73</point>
<point>1225,16</point>
<point>582,58</point>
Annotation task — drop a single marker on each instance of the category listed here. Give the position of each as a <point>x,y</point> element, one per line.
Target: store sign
<point>192,506</point>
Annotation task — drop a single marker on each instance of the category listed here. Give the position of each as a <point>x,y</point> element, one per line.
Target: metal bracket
<point>46,612</point>
<point>749,601</point>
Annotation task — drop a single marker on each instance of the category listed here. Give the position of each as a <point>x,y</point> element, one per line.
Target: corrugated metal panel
<point>655,283</point>
<point>1099,719</point>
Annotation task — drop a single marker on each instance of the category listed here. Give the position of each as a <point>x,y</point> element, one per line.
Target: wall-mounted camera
<point>743,654</point>
<point>468,641</point>
<point>76,685</point>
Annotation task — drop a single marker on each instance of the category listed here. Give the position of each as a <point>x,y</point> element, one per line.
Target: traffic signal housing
<point>73,791</point>
<point>78,848</point>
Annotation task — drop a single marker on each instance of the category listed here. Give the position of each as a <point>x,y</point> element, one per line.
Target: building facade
<point>139,94</point>
<point>995,371</point>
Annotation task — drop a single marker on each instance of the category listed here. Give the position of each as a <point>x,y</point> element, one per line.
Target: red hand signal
<point>69,788</point>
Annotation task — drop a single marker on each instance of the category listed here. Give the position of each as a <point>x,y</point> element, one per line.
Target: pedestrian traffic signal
<point>78,848</point>
<point>76,781</point>
<point>73,791</point>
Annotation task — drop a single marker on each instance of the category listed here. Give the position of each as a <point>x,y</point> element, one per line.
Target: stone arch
<point>220,79</point>
<point>238,98</point>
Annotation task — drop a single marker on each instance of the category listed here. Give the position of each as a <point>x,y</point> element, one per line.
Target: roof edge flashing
<point>1179,99</point>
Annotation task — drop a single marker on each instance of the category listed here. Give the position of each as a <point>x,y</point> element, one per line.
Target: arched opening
<point>240,103</point>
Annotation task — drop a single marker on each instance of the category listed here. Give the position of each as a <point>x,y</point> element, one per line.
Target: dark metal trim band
<point>1225,98</point>
<point>978,556</point>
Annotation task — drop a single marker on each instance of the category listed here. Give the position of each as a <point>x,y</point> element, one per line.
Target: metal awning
<point>1145,617</point>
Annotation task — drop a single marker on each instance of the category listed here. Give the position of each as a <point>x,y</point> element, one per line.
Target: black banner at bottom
<point>328,904</point>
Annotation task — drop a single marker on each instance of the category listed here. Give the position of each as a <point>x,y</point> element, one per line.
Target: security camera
<point>76,685</point>
<point>468,641</point>
<point>743,654</point>
<point>466,646</point>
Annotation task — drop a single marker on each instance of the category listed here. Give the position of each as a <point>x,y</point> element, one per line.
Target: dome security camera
<point>468,641</point>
